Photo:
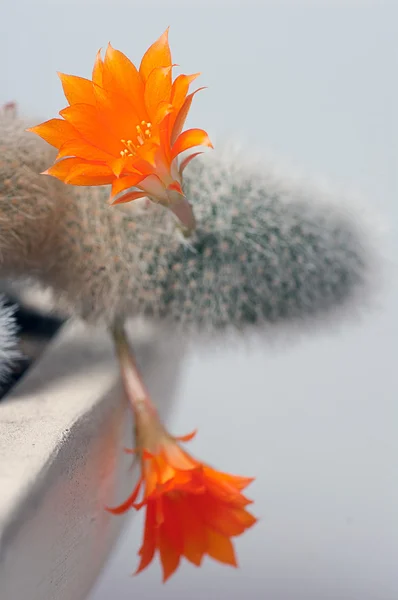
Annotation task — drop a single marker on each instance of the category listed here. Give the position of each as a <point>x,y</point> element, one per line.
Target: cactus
<point>8,340</point>
<point>29,202</point>
<point>265,250</point>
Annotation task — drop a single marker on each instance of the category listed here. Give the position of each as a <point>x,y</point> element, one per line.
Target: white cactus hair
<point>9,352</point>
<point>268,248</point>
<point>29,202</point>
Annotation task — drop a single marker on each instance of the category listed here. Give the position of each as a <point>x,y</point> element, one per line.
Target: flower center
<point>143,133</point>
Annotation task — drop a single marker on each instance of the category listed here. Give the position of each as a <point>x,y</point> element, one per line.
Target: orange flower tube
<point>192,510</point>
<point>125,128</point>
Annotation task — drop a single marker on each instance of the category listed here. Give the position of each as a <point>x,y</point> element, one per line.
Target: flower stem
<point>133,383</point>
<point>184,212</point>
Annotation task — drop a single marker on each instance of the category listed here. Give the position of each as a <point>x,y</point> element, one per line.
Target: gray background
<point>315,420</point>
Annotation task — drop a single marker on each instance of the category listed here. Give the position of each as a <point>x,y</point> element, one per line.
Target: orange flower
<point>191,509</point>
<point>125,127</point>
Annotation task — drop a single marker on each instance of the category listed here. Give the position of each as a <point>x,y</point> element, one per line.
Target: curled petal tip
<point>116,510</point>
<point>186,438</point>
<point>250,480</point>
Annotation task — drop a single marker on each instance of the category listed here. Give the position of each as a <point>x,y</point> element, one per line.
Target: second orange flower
<point>192,510</point>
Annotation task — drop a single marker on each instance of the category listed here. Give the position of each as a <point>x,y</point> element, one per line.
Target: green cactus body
<point>263,251</point>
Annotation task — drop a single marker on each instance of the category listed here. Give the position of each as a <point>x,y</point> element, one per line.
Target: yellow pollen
<point>130,146</point>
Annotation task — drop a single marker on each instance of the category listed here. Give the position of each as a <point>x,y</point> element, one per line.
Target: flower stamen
<point>131,147</point>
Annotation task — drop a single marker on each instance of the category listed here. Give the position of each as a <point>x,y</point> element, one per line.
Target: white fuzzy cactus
<point>8,340</point>
<point>265,249</point>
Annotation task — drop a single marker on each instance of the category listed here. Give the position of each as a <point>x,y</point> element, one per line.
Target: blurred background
<point>315,420</point>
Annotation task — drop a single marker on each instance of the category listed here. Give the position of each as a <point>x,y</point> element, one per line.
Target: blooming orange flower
<point>191,509</point>
<point>125,127</point>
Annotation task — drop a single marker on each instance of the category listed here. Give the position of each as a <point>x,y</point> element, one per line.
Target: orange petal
<point>146,455</point>
<point>226,527</point>
<point>226,493</point>
<point>220,548</point>
<point>157,89</point>
<point>145,161</point>
<point>81,149</point>
<point>124,183</point>
<point>187,160</point>
<point>177,458</point>
<point>240,483</point>
<point>117,165</point>
<point>85,118</point>
<point>179,93</point>
<point>98,69</point>
<point>180,89</point>
<point>171,526</point>
<point>159,513</point>
<point>117,115</point>
<point>194,532</point>
<point>89,174</point>
<point>181,117</point>
<point>169,557</point>
<point>125,506</point>
<point>175,186</point>
<point>163,109</point>
<point>232,522</point>
<point>223,518</point>
<point>61,170</point>
<point>129,197</point>
<point>157,55</point>
<point>77,90</point>
<point>189,139</point>
<point>121,75</point>
<point>164,138</point>
<point>55,131</point>
<point>182,480</point>
<point>148,548</point>
<point>186,438</point>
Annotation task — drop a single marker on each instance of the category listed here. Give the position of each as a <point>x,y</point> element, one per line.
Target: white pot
<point>62,433</point>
